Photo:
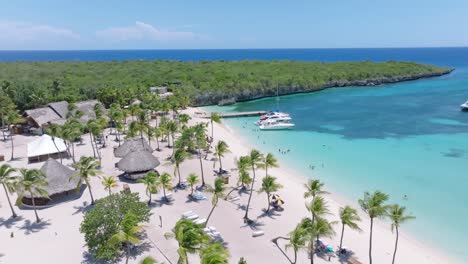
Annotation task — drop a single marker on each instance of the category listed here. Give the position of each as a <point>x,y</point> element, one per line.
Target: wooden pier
<point>237,114</point>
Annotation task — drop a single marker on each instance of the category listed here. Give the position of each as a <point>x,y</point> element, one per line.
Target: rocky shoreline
<point>243,96</point>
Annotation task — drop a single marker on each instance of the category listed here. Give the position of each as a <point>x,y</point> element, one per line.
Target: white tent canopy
<point>45,146</point>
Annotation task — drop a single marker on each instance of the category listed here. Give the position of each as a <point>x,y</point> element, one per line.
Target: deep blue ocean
<point>408,139</point>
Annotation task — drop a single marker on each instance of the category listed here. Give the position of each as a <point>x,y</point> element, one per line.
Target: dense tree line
<point>32,84</point>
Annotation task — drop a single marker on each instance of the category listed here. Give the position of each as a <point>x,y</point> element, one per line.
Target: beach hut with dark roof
<point>132,145</point>
<point>137,163</point>
<point>61,108</point>
<point>59,183</point>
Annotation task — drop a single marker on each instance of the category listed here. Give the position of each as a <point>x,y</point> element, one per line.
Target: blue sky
<point>152,24</point>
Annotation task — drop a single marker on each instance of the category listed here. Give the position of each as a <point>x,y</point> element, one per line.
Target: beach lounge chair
<point>184,215</point>
<point>215,234</point>
<point>192,217</point>
<point>206,230</point>
<point>212,228</point>
<point>258,233</point>
<point>200,221</point>
<point>235,198</point>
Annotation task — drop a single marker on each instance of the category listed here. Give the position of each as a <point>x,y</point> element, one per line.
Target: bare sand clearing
<point>57,239</point>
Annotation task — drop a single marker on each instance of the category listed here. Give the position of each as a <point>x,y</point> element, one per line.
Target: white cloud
<point>142,31</point>
<point>13,32</point>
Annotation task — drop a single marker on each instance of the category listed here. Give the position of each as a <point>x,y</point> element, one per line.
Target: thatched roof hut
<point>137,163</point>
<point>132,145</point>
<point>58,179</point>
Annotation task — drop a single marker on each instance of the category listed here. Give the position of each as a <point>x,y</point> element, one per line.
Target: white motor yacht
<point>275,125</point>
<point>464,107</point>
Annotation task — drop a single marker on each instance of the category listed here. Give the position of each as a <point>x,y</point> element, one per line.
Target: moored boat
<point>464,106</point>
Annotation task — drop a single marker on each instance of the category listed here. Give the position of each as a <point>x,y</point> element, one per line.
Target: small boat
<point>464,107</point>
<point>275,125</point>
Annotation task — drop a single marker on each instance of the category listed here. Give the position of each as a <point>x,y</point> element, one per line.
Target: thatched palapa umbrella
<point>132,145</point>
<point>58,179</point>
<point>137,163</point>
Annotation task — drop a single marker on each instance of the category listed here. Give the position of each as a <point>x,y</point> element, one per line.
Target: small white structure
<point>45,147</point>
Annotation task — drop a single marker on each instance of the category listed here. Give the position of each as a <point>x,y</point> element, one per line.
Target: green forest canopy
<point>32,84</point>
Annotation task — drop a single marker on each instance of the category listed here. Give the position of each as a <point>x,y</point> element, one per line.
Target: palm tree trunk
<point>178,173</point>
<point>109,191</point>
<point>73,152</point>
<point>14,215</point>
<point>212,132</point>
<point>246,216</point>
<point>128,253</point>
<point>90,193</point>
<point>396,245</point>
<point>34,207</point>
<point>268,197</point>
<point>164,192</point>
<point>220,164</point>
<point>312,250</point>
<point>191,186</point>
<point>58,151</point>
<point>342,234</point>
<point>370,240</point>
<point>157,142</point>
<point>97,149</point>
<point>212,209</point>
<point>12,146</point>
<point>201,167</point>
<point>91,141</point>
<point>149,201</point>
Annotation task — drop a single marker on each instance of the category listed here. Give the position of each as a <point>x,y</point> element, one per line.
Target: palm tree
<point>192,179</point>
<point>323,228</point>
<point>148,260</point>
<point>96,128</point>
<point>398,216</point>
<point>317,208</point>
<point>269,185</point>
<point>242,166</point>
<point>349,217</point>
<point>179,156</point>
<point>12,117</point>
<point>190,237</point>
<point>109,182</point>
<point>166,183</point>
<point>200,142</point>
<point>31,182</point>
<point>55,131</point>
<point>128,234</point>
<point>85,169</point>
<point>215,253</point>
<point>183,120</point>
<point>8,182</point>
<point>255,160</point>
<point>374,205</point>
<point>314,188</point>
<point>151,182</point>
<point>218,191</point>
<point>171,130</point>
<point>221,148</point>
<point>71,131</point>
<point>214,118</point>
<point>270,162</point>
<point>297,240</point>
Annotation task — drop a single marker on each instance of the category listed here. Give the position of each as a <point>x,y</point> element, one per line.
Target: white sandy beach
<point>57,239</point>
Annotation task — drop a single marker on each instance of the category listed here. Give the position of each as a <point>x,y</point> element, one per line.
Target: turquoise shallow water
<point>404,139</point>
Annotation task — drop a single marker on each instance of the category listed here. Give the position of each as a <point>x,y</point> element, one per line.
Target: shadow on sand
<point>10,222</point>
<point>31,227</point>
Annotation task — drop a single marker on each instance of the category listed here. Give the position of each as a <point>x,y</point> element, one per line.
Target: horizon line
<point>192,49</point>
